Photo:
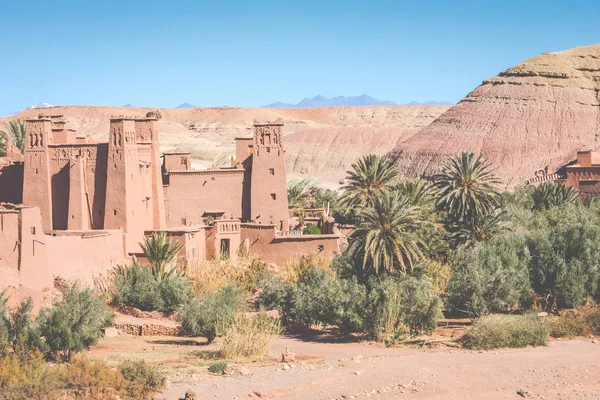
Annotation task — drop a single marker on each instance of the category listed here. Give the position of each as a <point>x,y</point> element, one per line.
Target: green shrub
<point>250,335</point>
<point>142,380</point>
<point>217,368</point>
<point>384,309</point>
<point>498,331</point>
<point>74,323</point>
<point>311,229</point>
<point>4,324</point>
<point>491,277</point>
<point>565,256</point>
<point>138,287</point>
<point>23,334</point>
<point>209,315</point>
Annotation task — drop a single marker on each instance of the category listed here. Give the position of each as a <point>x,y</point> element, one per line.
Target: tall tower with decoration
<point>37,189</point>
<point>268,199</point>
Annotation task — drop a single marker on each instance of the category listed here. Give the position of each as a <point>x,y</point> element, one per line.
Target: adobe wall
<point>192,240</point>
<point>190,194</point>
<point>84,255</point>
<point>23,255</point>
<point>11,182</point>
<point>263,242</point>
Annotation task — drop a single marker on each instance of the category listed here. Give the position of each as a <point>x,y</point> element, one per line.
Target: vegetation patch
<point>250,335</point>
<point>500,331</point>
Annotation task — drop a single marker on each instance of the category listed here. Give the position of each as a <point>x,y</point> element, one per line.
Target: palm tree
<point>298,191</point>
<point>369,177</point>
<point>161,251</point>
<point>466,189</point>
<point>417,191</point>
<point>490,225</point>
<point>548,195</point>
<point>14,129</point>
<point>387,237</point>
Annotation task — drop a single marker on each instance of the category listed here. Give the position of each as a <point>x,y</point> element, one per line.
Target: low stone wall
<point>148,329</point>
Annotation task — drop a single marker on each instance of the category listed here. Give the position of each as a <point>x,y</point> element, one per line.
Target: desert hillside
<point>320,142</point>
<point>535,114</point>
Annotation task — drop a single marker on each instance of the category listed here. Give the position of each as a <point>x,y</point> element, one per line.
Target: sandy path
<point>563,370</point>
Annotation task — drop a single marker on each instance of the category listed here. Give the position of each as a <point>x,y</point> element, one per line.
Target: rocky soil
<point>538,113</point>
<point>563,370</point>
<point>321,142</point>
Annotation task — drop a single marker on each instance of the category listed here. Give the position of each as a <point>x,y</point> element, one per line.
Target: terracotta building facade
<point>73,207</point>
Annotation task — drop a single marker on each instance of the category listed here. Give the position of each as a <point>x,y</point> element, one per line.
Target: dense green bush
<point>137,286</point>
<point>311,229</point>
<point>384,309</point>
<point>565,256</point>
<point>498,331</point>
<point>209,315</point>
<point>74,323</point>
<point>23,334</point>
<point>491,277</point>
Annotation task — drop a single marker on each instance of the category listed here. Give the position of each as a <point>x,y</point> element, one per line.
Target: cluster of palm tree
<point>397,218</point>
<point>14,130</point>
<point>548,195</point>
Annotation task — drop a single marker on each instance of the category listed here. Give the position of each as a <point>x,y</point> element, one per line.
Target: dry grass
<point>250,335</point>
<point>499,331</point>
<point>295,270</point>
<point>210,276</point>
<point>581,321</point>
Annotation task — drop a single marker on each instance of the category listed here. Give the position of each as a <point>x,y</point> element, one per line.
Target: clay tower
<point>268,203</point>
<point>37,190</point>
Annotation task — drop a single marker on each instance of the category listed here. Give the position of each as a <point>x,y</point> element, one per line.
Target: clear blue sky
<point>254,52</point>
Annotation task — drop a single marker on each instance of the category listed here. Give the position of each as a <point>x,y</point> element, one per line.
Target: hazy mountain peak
<point>186,105</point>
<point>338,101</point>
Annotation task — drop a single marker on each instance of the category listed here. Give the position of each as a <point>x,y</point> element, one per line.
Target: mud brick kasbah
<point>73,208</point>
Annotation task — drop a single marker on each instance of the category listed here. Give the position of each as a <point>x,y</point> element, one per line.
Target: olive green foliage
<point>383,309</point>
<point>369,177</point>
<point>27,379</point>
<point>137,286</point>
<point>210,315</point>
<point>565,266</point>
<point>74,323</point>
<point>161,251</point>
<point>311,229</point>
<point>466,189</point>
<point>548,195</point>
<point>491,276</point>
<point>141,380</point>
<point>387,236</point>
<point>23,334</point>
<point>14,129</point>
<point>499,331</point>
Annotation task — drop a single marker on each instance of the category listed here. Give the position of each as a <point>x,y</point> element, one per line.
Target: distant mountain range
<point>345,101</point>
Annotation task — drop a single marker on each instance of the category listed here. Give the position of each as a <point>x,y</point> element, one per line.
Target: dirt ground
<point>330,370</point>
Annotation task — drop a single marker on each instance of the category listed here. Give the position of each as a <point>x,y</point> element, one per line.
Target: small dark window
<point>271,171</point>
<point>100,212</point>
<point>72,216</point>
<point>273,196</point>
<point>32,230</point>
<point>183,221</point>
<point>268,149</point>
<point>114,212</point>
<point>36,171</point>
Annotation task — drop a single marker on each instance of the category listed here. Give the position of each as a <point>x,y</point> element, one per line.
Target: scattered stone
<point>110,332</point>
<point>236,370</point>
<point>190,395</point>
<point>594,341</point>
<point>357,359</point>
<point>523,393</point>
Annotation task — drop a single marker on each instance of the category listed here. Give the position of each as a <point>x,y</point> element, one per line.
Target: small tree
<point>23,335</point>
<point>369,177</point>
<point>161,251</point>
<point>14,129</point>
<point>74,323</point>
